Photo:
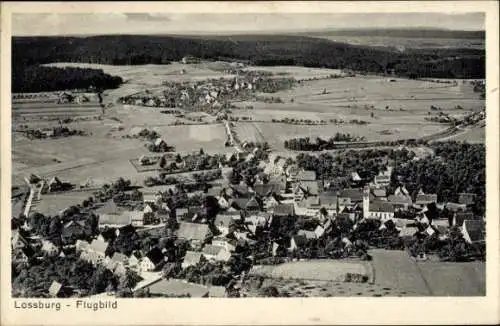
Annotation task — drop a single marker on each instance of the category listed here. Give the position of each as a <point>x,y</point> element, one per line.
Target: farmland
<point>393,109</point>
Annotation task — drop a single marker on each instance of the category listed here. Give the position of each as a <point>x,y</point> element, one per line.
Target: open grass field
<point>309,288</point>
<point>397,269</point>
<point>52,204</point>
<point>317,270</point>
<point>276,133</point>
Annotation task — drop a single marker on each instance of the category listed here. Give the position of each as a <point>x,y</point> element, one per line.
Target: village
<point>205,233</point>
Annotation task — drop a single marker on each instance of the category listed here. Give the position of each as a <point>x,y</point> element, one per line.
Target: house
<point>222,222</point>
<point>138,218</point>
<point>159,142</point>
<point>319,231</point>
<point>305,189</point>
<point>309,206</point>
<point>473,231</point>
<point>115,220</point>
<point>280,182</point>
<point>191,259</point>
<point>55,289</point>
<point>292,171</point>
<point>211,251</point>
<point>297,242</point>
<point>408,232</point>
<point>352,195</point>
<point>355,178</point>
<point>337,183</point>
<point>82,245</point>
<point>180,213</point>
<point>74,230</point>
<point>460,217</point>
<point>177,288</point>
<point>379,210</point>
<point>225,243</point>
<point>18,241</point>
<point>196,233</point>
<point>382,180</point>
<point>400,201</point>
<point>454,207</point>
<point>283,210</point>
<point>246,203</point>
<point>266,190</point>
<point>466,198</point>
<point>310,235</point>
<point>425,199</point>
<point>95,253</point>
<point>272,201</point>
<point>134,260</point>
<point>306,175</point>
<point>49,248</point>
<point>149,198</point>
<point>152,261</point>
<point>379,193</point>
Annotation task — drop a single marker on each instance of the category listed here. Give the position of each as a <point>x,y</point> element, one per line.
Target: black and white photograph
<point>247,155</point>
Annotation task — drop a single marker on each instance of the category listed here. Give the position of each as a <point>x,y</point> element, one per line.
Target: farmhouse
<point>196,233</point>
<point>306,175</point>
<point>306,189</point>
<point>425,199</point>
<point>177,288</point>
<point>152,261</point>
<point>466,198</point>
<point>95,253</point>
<point>191,259</point>
<point>222,222</point>
<point>473,231</point>
<point>74,230</point>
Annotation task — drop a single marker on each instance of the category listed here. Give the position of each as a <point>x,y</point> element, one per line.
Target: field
<point>397,269</point>
<point>394,109</point>
<point>317,270</point>
<point>52,204</point>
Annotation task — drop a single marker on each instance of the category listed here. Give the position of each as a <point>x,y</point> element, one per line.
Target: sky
<point>37,24</point>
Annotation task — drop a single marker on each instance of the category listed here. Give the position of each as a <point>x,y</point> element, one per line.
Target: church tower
<point>366,201</point>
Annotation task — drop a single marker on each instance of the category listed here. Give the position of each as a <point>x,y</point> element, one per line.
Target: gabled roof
<point>327,200</point>
<point>75,223</point>
<point>175,287</point>
<point>119,219</point>
<point>192,257</point>
<point>379,192</point>
<point>309,202</point>
<point>264,190</point>
<point>306,175</point>
<point>155,256</point>
<point>310,235</point>
<point>55,288</point>
<point>309,187</point>
<point>355,194</point>
<point>283,210</point>
<point>300,240</point>
<point>212,250</point>
<point>426,199</point>
<point>109,207</point>
<point>461,217</point>
<point>475,229</point>
<point>240,189</point>
<point>381,206</point>
<point>193,231</point>
<point>466,198</point>
<point>119,257</point>
<point>399,199</point>
<point>223,220</point>
<point>98,246</point>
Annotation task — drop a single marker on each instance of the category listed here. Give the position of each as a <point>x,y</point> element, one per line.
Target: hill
<point>257,49</point>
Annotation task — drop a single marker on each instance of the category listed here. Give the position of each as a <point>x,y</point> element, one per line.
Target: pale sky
<point>35,24</point>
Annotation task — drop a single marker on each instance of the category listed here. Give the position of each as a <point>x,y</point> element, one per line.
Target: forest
<point>257,50</point>
<point>455,168</point>
<point>37,78</point>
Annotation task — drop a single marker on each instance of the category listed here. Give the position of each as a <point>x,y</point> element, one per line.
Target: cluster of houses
<point>211,93</point>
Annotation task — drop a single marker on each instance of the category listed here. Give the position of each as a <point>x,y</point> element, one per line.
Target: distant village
<point>201,238</point>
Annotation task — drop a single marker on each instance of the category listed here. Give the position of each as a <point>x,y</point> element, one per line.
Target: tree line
<point>257,50</point>
<point>305,143</point>
<point>44,79</point>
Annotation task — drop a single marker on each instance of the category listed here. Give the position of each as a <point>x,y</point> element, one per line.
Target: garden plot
<point>53,204</point>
